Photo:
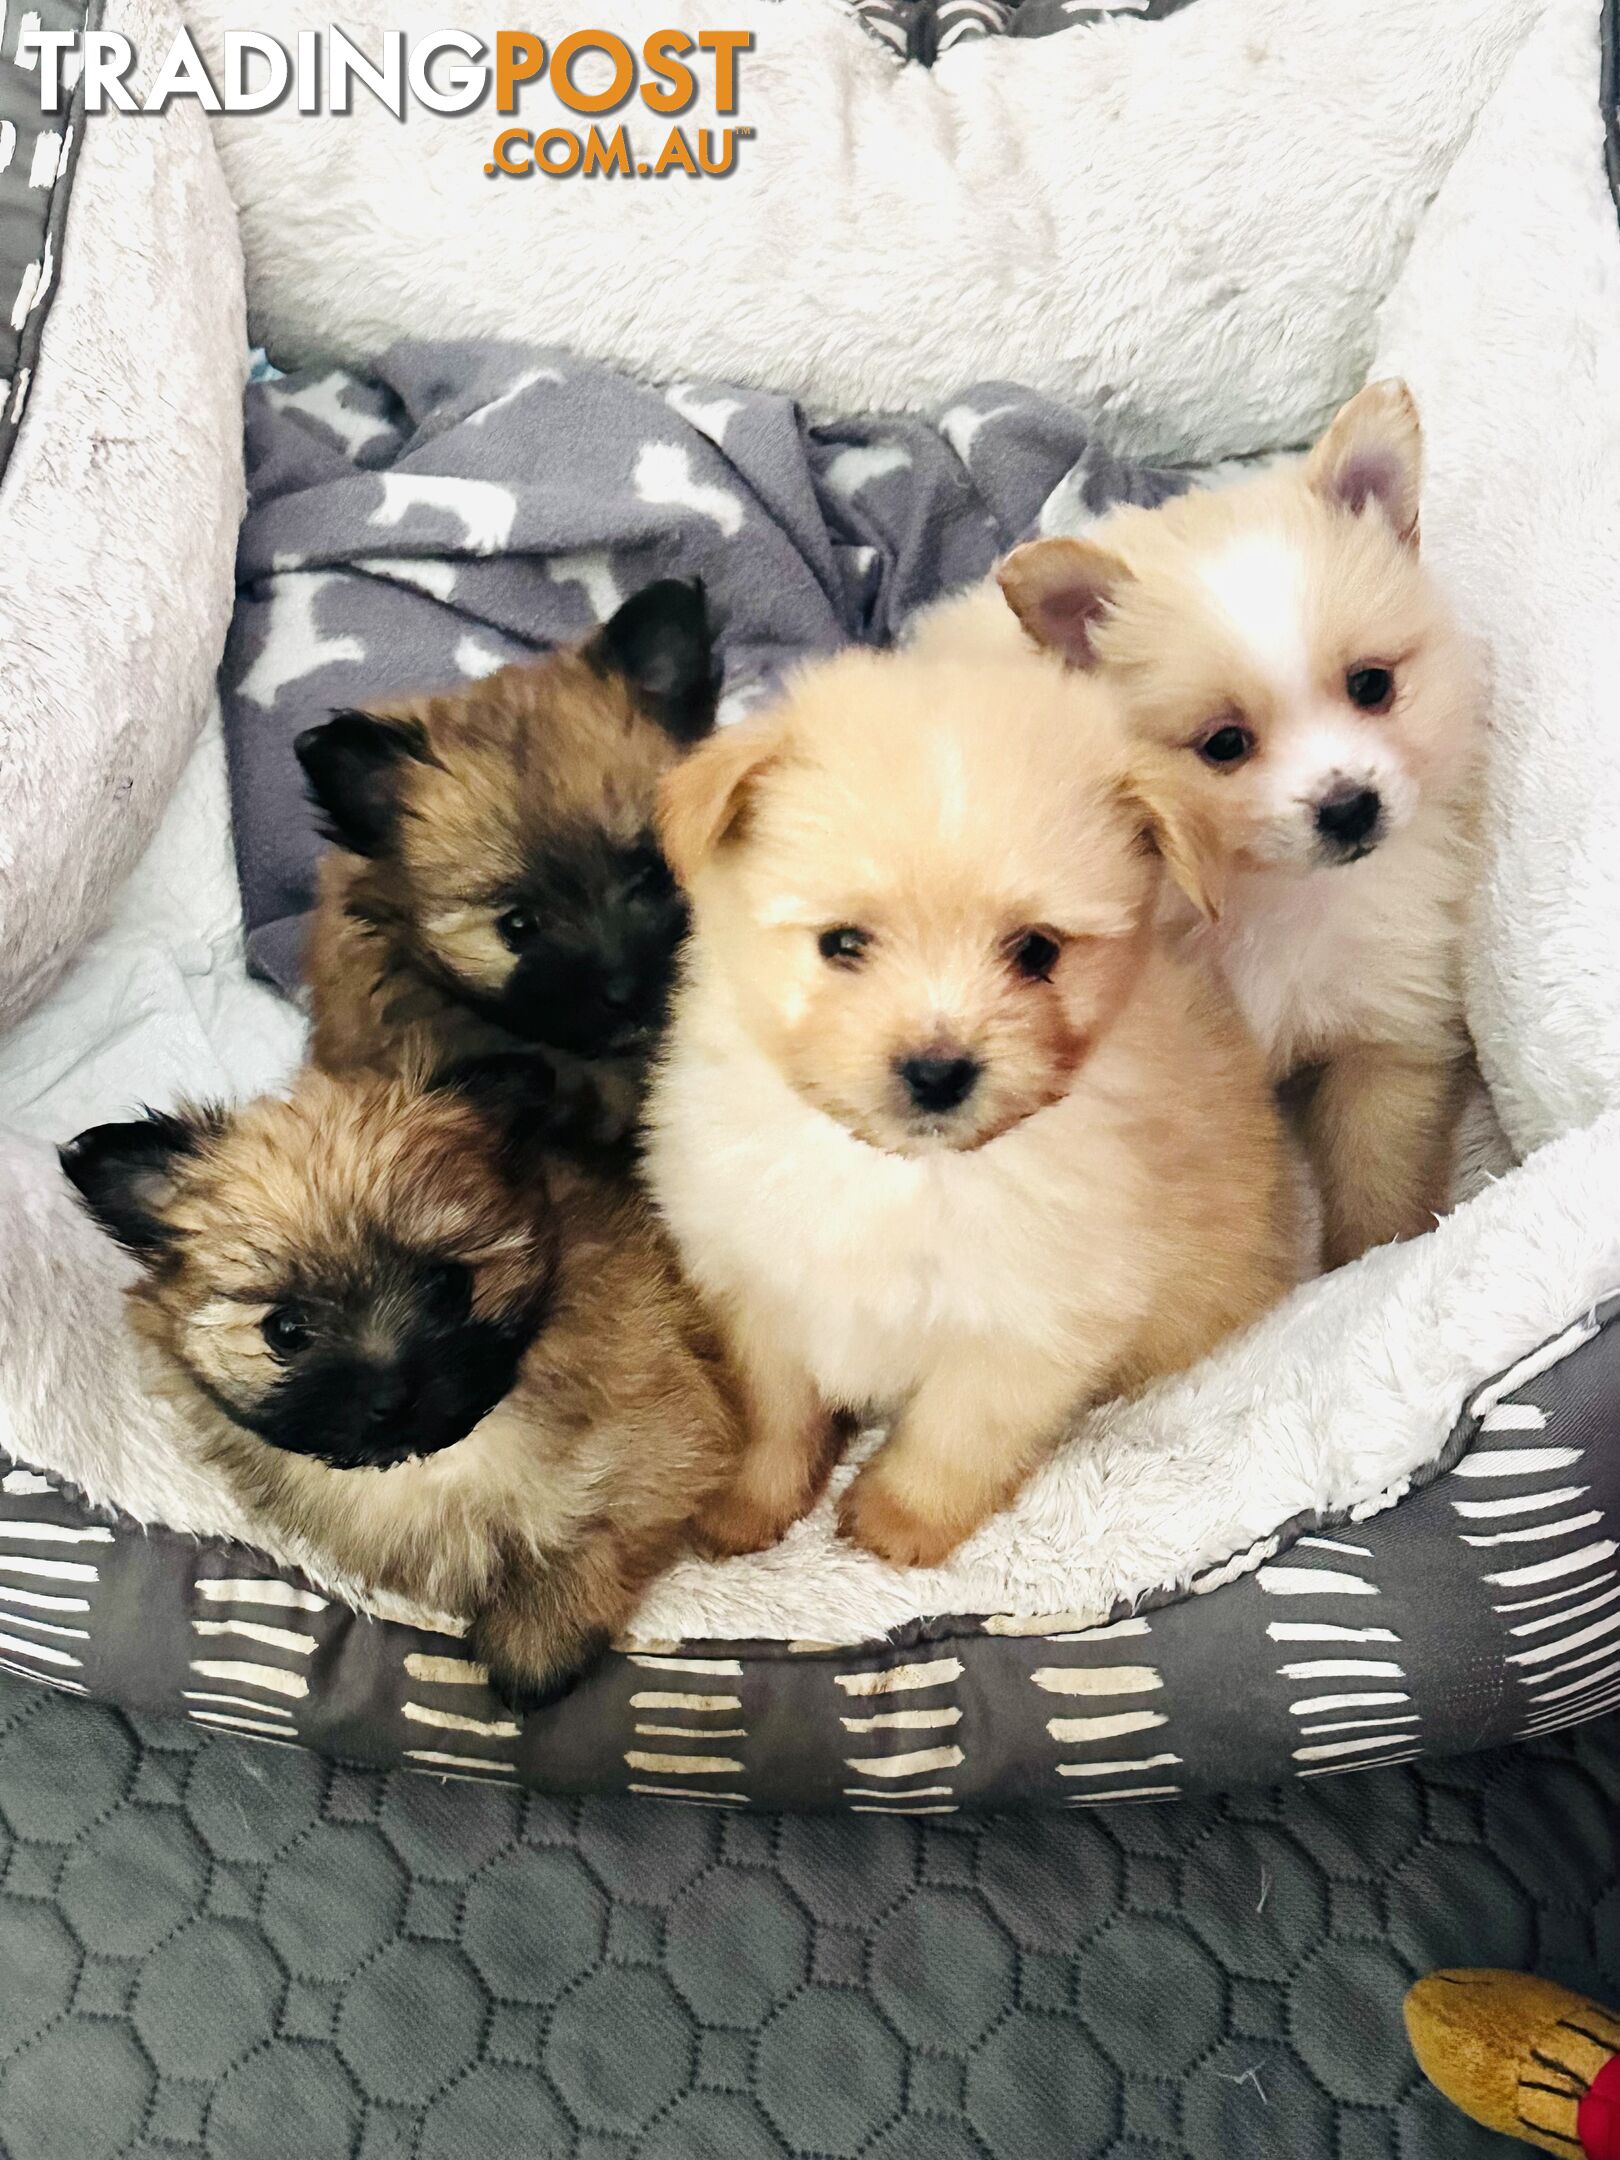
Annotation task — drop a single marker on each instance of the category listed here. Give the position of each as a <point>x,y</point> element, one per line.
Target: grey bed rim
<point>1346,1640</point>
<point>33,220</point>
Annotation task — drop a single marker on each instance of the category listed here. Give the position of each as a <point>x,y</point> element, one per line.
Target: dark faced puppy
<point>353,1276</point>
<point>495,879</point>
<point>440,1363</point>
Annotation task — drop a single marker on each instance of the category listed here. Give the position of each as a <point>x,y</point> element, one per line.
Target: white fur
<point>1258,583</point>
<point>1356,953</point>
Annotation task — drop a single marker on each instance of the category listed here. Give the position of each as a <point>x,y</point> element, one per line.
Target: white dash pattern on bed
<point>46,1597</point>
<point>688,1734</point>
<point>1094,1704</point>
<point>467,1745</point>
<point>266,1590</point>
<point>248,1673</point>
<point>1349,1710</point>
<point>908,1726</point>
<point>1560,1608</point>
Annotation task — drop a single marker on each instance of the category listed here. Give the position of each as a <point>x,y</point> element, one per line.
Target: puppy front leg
<point>1379,1128</point>
<point>960,1450</point>
<point>790,1443</point>
<point>549,1617</point>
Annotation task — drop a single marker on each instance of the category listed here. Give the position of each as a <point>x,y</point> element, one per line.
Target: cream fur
<point>1125,1196</point>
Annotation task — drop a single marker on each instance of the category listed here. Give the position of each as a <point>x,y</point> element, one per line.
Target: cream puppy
<point>1292,676</point>
<point>943,1129</point>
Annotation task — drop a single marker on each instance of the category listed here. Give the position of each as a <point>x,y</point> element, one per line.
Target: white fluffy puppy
<point>1295,682</point>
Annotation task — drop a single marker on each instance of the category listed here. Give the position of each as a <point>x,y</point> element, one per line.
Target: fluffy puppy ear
<point>1373,454</point>
<point>1061,591</point>
<point>1185,836</point>
<point>703,799</point>
<point>125,1174</point>
<point>353,767</point>
<point>662,642</point>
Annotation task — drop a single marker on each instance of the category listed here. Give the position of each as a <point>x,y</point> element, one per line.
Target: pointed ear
<point>704,798</point>
<point>1061,590</point>
<point>1185,836</point>
<point>1373,453</point>
<point>125,1174</point>
<point>662,643</point>
<point>352,767</point>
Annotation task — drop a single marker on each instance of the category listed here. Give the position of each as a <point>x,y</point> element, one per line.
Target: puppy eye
<point>446,1290</point>
<point>1371,688</point>
<point>1034,953</point>
<point>844,946</point>
<point>517,928</point>
<point>1228,745</point>
<point>286,1331</point>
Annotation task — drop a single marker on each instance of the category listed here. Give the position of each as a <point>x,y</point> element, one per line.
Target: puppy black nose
<point>383,1399</point>
<point>1349,815</point>
<point>627,988</point>
<point>939,1083</point>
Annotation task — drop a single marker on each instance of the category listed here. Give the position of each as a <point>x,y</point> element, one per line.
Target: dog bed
<point>1381,1523</point>
<point>122,485</point>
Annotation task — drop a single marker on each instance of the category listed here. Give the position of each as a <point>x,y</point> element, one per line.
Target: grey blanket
<point>472,503</point>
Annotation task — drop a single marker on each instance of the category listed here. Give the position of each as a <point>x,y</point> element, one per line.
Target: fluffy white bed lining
<point>1186,227</point>
<point>118,525</point>
<point>1346,1392</point>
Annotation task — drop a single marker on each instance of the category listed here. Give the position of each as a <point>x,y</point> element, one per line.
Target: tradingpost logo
<point>586,77</point>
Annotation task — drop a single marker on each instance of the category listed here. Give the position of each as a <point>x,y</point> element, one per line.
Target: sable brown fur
<point>496,883</point>
<point>419,1245</point>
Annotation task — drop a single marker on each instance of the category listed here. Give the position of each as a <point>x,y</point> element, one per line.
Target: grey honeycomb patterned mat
<point>234,1953</point>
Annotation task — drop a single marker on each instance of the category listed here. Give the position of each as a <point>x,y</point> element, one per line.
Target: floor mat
<point>217,1948</point>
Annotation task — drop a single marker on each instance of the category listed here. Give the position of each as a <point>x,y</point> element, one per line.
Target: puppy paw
<point>523,1686</point>
<point>873,1515</point>
<point>737,1521</point>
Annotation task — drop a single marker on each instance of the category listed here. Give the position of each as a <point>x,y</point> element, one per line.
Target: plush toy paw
<point>1522,2056</point>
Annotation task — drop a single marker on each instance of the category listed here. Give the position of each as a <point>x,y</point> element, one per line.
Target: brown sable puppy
<point>452,1369</point>
<point>495,881</point>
